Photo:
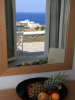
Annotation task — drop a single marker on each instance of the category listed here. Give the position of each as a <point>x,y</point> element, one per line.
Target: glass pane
<point>9,28</point>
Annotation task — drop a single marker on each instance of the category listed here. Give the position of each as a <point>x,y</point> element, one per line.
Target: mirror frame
<point>69,51</point>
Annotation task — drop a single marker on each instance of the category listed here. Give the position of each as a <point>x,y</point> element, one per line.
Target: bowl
<point>23,94</point>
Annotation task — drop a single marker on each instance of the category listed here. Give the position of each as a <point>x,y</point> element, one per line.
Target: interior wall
<point>10,82</point>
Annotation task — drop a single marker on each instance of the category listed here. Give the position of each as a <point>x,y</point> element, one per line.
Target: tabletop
<point>11,93</point>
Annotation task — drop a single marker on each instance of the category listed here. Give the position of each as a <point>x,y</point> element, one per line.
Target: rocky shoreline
<point>27,24</point>
<point>18,24</point>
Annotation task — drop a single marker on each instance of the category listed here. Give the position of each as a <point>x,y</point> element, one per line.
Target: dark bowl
<point>23,94</point>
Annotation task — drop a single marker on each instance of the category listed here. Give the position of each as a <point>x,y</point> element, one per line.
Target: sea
<point>36,17</point>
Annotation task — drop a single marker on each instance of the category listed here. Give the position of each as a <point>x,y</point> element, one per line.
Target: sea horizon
<point>37,17</point>
<point>30,12</point>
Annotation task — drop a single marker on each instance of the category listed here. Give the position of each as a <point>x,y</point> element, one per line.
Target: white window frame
<point>47,26</point>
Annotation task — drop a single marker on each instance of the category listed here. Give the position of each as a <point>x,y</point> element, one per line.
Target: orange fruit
<point>55,96</point>
<point>30,63</point>
<point>24,64</point>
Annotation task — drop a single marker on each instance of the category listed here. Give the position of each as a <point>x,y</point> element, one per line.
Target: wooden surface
<point>70,35</point>
<point>71,90</point>
<point>35,69</point>
<point>5,71</point>
<point>3,43</point>
<point>11,94</point>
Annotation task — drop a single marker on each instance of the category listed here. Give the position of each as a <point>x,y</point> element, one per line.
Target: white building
<point>26,21</point>
<point>31,24</point>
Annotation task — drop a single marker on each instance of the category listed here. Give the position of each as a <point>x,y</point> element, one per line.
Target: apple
<point>24,64</point>
<point>43,96</point>
<point>29,87</point>
<point>55,91</point>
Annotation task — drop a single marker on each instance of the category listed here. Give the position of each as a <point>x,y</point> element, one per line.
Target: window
<point>30,22</point>
<point>55,30</point>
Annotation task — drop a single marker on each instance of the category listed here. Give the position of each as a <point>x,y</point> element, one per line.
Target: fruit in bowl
<point>24,64</point>
<point>55,96</point>
<point>43,96</point>
<point>35,90</point>
<point>53,91</point>
<point>49,90</point>
<point>53,82</point>
<point>29,87</point>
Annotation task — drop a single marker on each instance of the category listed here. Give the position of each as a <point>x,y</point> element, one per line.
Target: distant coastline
<point>32,16</point>
<point>31,25</point>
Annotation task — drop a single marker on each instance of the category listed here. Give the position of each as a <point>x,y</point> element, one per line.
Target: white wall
<point>10,82</point>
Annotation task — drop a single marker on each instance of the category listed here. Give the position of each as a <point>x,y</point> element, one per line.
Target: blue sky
<point>30,5</point>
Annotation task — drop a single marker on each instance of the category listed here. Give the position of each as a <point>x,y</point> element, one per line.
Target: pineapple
<point>53,82</point>
<point>33,92</point>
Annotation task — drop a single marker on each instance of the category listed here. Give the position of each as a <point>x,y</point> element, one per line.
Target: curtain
<point>54,23</point>
<point>65,18</point>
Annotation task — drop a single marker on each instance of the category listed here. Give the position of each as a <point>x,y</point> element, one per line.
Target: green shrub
<point>42,28</point>
<point>37,27</point>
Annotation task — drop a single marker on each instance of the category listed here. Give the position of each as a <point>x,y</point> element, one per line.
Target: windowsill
<point>20,60</point>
